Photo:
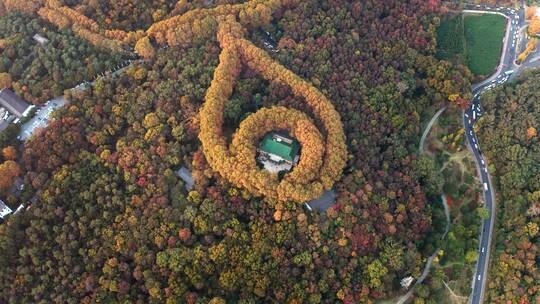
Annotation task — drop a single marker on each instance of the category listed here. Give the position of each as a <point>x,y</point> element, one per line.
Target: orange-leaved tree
<point>8,171</point>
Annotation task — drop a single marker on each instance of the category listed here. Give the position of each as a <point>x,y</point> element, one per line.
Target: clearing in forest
<point>472,39</point>
<point>483,42</point>
<point>450,38</point>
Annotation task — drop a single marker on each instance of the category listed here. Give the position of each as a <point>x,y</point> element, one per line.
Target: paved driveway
<point>42,117</point>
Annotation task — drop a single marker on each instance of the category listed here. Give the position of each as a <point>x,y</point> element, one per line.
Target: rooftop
<point>4,209</point>
<point>40,39</point>
<point>281,146</point>
<point>13,103</point>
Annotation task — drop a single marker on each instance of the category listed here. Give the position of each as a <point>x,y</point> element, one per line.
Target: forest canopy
<point>112,222</point>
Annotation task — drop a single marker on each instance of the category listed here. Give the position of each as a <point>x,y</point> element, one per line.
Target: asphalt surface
<point>513,43</point>
<point>41,118</point>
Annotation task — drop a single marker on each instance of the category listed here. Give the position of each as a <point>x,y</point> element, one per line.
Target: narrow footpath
<point>430,259</point>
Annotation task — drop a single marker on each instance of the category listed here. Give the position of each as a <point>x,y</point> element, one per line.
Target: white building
<point>40,39</point>
<point>406,282</point>
<point>4,210</point>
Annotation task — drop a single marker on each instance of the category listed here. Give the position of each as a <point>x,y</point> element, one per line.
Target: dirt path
<point>456,298</point>
<point>427,268</point>
<point>428,128</point>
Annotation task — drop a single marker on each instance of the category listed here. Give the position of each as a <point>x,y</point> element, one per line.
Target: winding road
<point>428,128</point>
<point>514,41</point>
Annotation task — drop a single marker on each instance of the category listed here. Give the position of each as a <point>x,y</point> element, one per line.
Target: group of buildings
<point>12,110</point>
<point>16,190</point>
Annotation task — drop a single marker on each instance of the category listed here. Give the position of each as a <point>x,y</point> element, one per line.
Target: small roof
<point>274,144</point>
<point>4,209</point>
<point>3,124</point>
<point>40,39</point>
<point>327,200</point>
<point>185,175</point>
<point>13,103</point>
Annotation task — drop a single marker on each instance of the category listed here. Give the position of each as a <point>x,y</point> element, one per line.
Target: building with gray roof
<point>13,103</point>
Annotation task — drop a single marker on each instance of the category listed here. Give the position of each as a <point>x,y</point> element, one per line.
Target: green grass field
<point>450,38</point>
<point>475,40</point>
<point>483,35</point>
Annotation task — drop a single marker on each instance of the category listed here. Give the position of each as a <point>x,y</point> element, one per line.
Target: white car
<point>483,249</point>
<point>479,277</point>
<point>476,146</point>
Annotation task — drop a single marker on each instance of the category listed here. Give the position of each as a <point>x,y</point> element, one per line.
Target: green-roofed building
<point>279,149</point>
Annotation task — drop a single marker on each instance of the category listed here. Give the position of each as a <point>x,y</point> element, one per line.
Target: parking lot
<point>41,119</point>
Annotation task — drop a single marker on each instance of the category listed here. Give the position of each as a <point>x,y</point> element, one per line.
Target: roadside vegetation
<point>509,137</point>
<point>452,270</point>
<point>474,40</point>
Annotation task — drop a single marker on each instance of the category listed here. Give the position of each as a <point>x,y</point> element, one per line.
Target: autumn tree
<point>530,12</point>
<point>8,171</point>
<point>531,132</point>
<point>534,26</point>
<point>144,48</point>
<point>9,153</point>
<point>5,80</point>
